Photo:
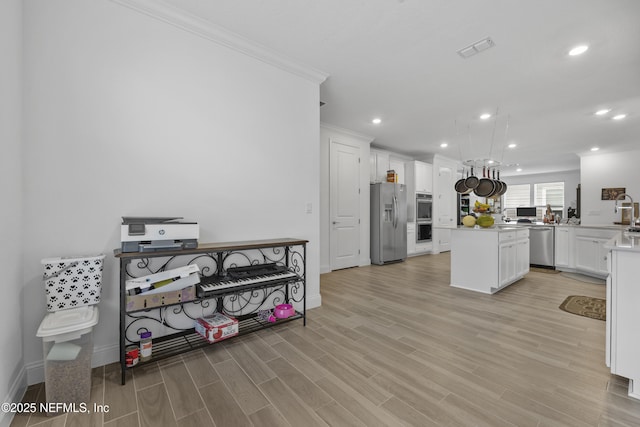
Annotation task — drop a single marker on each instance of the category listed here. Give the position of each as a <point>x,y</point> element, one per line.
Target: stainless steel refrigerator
<point>388,222</point>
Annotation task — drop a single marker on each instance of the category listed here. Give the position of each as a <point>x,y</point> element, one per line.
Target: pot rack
<point>486,163</point>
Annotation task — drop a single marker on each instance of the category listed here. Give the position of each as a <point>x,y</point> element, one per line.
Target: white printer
<point>150,234</point>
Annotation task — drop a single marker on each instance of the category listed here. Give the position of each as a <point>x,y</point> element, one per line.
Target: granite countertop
<point>496,227</point>
<point>624,241</point>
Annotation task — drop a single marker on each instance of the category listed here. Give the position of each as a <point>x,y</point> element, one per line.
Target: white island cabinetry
<point>623,301</point>
<point>487,260</point>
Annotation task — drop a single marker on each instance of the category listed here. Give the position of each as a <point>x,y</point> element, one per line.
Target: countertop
<point>541,224</point>
<point>624,241</point>
<point>497,227</point>
<point>516,225</point>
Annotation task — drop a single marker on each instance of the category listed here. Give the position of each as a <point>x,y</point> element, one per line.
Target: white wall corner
<point>314,301</point>
<point>164,12</point>
<point>15,395</point>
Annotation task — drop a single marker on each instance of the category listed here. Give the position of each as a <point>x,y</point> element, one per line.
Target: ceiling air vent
<point>475,48</point>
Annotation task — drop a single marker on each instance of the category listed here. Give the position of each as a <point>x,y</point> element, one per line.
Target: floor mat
<point>595,308</point>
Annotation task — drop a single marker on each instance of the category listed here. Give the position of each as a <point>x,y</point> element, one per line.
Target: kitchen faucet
<point>617,208</point>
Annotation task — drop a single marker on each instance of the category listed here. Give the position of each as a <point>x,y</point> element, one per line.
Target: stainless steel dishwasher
<point>541,246</point>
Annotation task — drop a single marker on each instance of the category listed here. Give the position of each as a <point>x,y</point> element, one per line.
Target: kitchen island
<point>623,306</point>
<point>488,259</point>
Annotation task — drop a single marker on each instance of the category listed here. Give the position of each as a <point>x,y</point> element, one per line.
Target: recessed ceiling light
<point>491,162</point>
<point>578,50</point>
<point>519,170</point>
<point>619,117</point>
<point>603,111</point>
<point>512,145</point>
<point>485,116</point>
<point>595,149</point>
<point>444,145</point>
<point>376,121</point>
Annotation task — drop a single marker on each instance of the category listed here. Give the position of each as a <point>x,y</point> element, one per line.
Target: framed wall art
<point>612,193</point>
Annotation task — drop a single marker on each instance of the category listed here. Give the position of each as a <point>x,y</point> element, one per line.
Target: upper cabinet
<point>418,177</point>
<point>423,177</point>
<point>382,161</point>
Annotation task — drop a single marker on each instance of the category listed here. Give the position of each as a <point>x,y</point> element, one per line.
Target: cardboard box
<point>148,301</point>
<point>216,327</point>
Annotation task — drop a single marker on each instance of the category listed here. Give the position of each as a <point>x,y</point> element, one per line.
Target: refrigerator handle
<point>395,212</point>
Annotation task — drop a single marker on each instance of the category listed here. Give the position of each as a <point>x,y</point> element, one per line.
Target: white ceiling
<point>397,60</point>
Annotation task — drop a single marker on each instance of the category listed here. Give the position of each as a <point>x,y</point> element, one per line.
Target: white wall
<point>126,115</point>
<point>12,379</point>
<point>607,171</point>
<point>328,134</point>
<point>571,180</point>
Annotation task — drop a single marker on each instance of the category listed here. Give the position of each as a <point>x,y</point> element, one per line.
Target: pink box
<point>216,327</point>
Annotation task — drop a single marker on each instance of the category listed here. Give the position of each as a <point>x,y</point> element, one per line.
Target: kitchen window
<point>539,195</point>
<point>549,193</point>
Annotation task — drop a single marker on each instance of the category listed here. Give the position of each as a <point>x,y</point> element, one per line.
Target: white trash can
<point>67,338</point>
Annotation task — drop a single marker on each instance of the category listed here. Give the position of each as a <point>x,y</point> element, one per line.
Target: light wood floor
<point>391,345</point>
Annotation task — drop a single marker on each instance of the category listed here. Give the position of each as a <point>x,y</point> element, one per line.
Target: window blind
<point>549,193</point>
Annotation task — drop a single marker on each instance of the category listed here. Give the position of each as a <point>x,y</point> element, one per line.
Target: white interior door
<point>344,172</point>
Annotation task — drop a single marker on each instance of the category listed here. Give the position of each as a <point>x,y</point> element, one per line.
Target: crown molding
<point>347,132</point>
<point>164,12</point>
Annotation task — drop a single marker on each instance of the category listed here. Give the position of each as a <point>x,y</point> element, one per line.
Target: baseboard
<point>16,393</point>
<point>325,269</point>
<point>314,301</point>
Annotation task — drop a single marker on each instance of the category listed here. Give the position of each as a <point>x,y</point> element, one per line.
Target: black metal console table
<point>172,324</point>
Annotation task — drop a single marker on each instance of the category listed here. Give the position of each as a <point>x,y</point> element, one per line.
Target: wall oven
<point>423,232</point>
<point>424,205</point>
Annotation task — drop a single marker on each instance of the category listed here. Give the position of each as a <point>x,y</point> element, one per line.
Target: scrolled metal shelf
<point>172,324</point>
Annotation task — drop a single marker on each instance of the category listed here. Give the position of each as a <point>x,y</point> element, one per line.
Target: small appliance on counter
<point>151,234</point>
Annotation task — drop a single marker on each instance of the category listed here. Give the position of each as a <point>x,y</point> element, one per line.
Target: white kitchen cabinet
<point>591,255</point>
<point>378,166</point>
<point>507,263</point>
<point>522,253</point>
<point>418,177</point>
<point>623,320</point>
<point>487,260</point>
<point>514,256</point>
<point>382,161</point>
<point>564,247</point>
<point>411,238</point>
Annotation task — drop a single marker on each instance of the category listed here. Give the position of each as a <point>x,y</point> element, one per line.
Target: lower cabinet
<point>623,325</point>
<point>581,249</point>
<point>487,260</point>
<point>563,248</point>
<point>411,238</point>
<point>514,257</point>
<point>591,255</point>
